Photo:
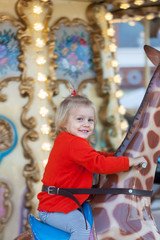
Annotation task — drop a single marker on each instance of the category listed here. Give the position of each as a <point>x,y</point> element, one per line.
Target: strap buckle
<point>53,190</point>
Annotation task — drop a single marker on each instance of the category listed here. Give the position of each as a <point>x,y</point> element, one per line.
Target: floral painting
<point>73,48</point>
<point>9,51</point>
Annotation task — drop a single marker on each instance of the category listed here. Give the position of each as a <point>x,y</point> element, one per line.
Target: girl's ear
<point>64,128</point>
<point>92,139</point>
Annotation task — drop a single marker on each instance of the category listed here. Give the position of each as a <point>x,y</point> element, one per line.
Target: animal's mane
<point>134,126</point>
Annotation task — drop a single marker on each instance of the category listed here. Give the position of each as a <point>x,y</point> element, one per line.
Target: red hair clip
<point>73,93</point>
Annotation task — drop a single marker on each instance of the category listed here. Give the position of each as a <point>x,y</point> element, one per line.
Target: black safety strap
<point>127,191</point>
<point>68,192</point>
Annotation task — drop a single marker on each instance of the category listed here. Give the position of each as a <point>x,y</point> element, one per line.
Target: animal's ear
<point>153,54</point>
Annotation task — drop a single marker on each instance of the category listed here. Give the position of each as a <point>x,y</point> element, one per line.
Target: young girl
<point>71,164</point>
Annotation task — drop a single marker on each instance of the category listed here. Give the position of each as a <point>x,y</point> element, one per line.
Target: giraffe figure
<point>129,217</point>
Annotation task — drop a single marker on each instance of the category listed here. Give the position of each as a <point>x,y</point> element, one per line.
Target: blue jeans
<point>72,222</point>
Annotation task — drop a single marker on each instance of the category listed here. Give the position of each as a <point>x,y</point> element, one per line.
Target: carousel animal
<point>129,216</point>
<point>126,215</point>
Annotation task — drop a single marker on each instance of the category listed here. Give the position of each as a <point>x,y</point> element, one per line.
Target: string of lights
<point>41,60</point>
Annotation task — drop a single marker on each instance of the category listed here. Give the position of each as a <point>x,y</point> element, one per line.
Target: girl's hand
<point>138,161</point>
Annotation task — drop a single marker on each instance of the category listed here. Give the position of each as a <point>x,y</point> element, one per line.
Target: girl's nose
<point>86,123</point>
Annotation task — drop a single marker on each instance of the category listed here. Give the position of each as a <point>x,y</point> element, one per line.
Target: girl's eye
<point>79,119</point>
<point>90,120</point>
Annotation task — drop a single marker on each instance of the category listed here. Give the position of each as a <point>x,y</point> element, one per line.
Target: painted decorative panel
<point>75,55</point>
<point>9,50</point>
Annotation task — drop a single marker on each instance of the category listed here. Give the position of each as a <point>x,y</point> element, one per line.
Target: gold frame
<point>7,204</point>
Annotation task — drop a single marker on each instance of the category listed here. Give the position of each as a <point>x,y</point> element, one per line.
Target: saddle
<point>42,231</point>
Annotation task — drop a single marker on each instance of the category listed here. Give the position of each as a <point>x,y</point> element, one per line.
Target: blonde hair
<point>65,107</point>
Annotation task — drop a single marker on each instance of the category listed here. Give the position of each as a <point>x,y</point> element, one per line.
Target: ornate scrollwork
<point>4,83</point>
<point>112,134</point>
<point>7,205</point>
<point>97,42</point>
<point>27,89</point>
<point>13,21</point>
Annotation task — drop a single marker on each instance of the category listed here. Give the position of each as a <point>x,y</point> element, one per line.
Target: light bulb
<point>138,18</point>
<point>38,26</point>
<point>45,129</point>
<point>43,111</point>
<point>132,23</point>
<point>138,2</point>
<point>40,60</point>
<point>115,63</point>
<point>46,146</point>
<point>42,94</point>
<point>108,16</point>
<point>112,47</point>
<point>110,32</point>
<point>40,43</point>
<point>37,9</point>
<point>41,77</point>
<point>117,78</point>
<point>122,109</point>
<point>150,16</point>
<point>119,93</point>
<point>124,125</point>
<point>124,5</point>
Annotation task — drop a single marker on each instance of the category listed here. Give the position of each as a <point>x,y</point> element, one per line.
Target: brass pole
<point>146,42</point>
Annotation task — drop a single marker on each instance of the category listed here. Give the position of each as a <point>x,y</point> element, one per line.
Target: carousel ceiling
<point>131,8</point>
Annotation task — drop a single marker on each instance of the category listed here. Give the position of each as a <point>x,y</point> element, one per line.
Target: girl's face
<point>81,121</point>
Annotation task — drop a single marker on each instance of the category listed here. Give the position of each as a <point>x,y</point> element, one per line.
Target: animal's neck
<point>143,138</point>
<point>129,217</point>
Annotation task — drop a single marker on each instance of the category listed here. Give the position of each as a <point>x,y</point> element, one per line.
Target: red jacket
<point>71,164</point>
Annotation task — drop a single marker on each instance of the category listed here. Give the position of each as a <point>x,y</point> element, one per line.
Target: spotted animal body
<point>129,217</point>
